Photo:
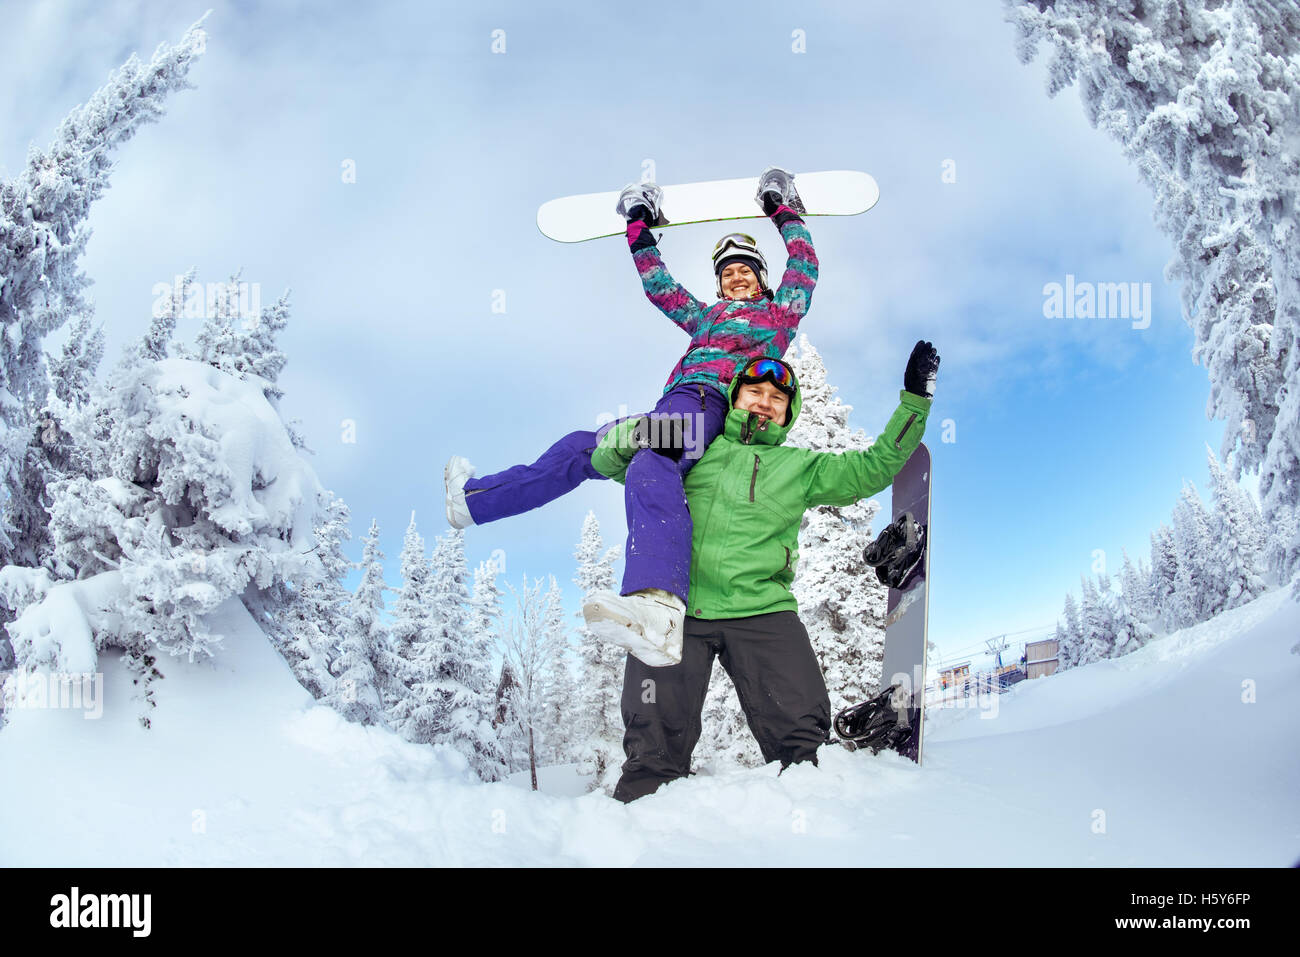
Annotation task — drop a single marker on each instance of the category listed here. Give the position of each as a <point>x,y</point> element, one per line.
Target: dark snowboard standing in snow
<point>901,556</point>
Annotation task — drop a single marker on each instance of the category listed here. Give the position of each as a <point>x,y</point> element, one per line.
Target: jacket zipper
<point>708,524</point>
<point>898,441</point>
<point>753,478</point>
<point>702,406</point>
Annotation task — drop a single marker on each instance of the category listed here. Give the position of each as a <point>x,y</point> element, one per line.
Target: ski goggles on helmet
<point>736,244</point>
<point>769,370</point>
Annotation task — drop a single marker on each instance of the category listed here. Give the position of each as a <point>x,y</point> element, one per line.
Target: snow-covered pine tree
<point>484,614</point>
<point>1198,591</point>
<point>243,343</point>
<point>1130,611</point>
<point>43,233</point>
<point>53,454</point>
<point>559,713</point>
<point>356,693</point>
<point>220,342</point>
<point>599,741</point>
<point>157,342</point>
<point>1135,583</point>
<point>310,612</point>
<point>1204,98</point>
<point>459,664</point>
<point>1095,617</point>
<point>1239,539</point>
<point>1070,636</point>
<point>483,624</point>
<point>527,642</point>
<point>1164,580</point>
<point>410,715</point>
<point>512,736</point>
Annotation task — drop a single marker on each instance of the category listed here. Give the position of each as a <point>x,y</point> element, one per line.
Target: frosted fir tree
<point>484,628</point>
<point>1129,612</point>
<point>527,646</point>
<point>559,718</point>
<point>54,454</point>
<point>1135,585</point>
<point>484,614</point>
<point>1239,539</point>
<point>512,735</point>
<point>1164,580</point>
<point>356,693</point>
<point>841,602</point>
<point>1098,639</point>
<point>1204,98</point>
<point>222,342</point>
<point>599,728</point>
<point>43,234</point>
<point>157,342</point>
<point>242,342</point>
<point>1069,635</point>
<point>410,631</point>
<point>1198,591</point>
<point>308,618</point>
<point>459,665</point>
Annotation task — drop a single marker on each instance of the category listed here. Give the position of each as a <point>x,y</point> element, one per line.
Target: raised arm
<point>664,292</point>
<point>795,291</point>
<point>841,478</point>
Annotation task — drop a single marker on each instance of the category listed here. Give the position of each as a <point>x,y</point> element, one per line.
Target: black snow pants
<point>777,678</point>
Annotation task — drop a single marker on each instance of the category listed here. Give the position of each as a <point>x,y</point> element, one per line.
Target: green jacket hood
<point>743,426</point>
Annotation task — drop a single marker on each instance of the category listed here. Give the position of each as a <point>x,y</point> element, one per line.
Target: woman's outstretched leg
<point>521,488</point>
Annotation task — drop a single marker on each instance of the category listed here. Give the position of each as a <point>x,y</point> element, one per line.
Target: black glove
<point>922,368</point>
<point>641,213</point>
<point>775,186</point>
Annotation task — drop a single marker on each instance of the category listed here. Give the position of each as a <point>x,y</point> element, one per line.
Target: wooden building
<point>1040,658</point>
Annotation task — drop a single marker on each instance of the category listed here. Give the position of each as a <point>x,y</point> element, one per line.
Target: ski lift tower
<point>996,646</point>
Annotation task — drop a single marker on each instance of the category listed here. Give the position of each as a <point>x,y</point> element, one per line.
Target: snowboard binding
<point>883,722</point>
<point>897,551</point>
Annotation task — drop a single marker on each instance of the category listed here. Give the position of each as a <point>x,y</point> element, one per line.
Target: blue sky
<point>1071,435</point>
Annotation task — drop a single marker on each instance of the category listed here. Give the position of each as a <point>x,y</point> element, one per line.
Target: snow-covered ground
<point>1182,754</point>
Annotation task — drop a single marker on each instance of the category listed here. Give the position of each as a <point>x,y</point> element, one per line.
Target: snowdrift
<point>1182,754</point>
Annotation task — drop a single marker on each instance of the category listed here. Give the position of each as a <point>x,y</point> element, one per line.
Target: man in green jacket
<point>747,495</point>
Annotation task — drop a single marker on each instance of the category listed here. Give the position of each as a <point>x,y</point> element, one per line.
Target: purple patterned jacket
<point>731,331</point>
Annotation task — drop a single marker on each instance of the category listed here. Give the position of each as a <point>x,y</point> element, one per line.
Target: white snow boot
<point>649,623</point>
<point>456,474</point>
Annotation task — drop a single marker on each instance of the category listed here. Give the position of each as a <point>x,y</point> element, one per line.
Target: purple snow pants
<point>658,522</point>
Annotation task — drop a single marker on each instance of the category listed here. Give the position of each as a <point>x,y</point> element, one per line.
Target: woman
<point>749,320</point>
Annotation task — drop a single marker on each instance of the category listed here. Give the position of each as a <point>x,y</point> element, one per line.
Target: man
<point>747,495</point>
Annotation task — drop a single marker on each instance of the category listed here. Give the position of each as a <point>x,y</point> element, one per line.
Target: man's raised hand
<point>922,368</point>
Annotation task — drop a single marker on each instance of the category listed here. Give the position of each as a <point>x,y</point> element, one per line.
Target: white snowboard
<point>575,219</point>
